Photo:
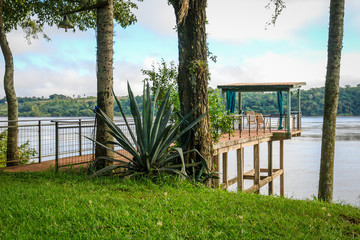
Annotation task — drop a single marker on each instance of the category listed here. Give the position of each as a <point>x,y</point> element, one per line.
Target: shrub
<point>25,151</point>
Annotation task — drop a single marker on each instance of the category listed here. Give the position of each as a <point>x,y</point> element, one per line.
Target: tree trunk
<point>105,98</point>
<point>193,72</point>
<point>331,100</point>
<point>12,153</point>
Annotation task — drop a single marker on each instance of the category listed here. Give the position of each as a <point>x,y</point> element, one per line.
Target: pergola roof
<point>261,87</point>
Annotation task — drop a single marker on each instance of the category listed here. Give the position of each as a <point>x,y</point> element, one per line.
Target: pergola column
<point>288,114</point>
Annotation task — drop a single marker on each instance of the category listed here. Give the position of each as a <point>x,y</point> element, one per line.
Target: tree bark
<point>12,152</point>
<point>331,100</point>
<point>193,72</point>
<point>105,98</point>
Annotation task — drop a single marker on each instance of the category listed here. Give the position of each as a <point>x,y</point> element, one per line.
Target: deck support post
<point>282,190</point>
<point>225,169</point>
<point>240,168</point>
<point>270,165</point>
<point>257,165</point>
<point>217,170</point>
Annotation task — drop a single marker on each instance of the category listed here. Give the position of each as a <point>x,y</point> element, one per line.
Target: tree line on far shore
<point>312,104</point>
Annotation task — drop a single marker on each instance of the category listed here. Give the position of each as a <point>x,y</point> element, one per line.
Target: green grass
<point>66,205</point>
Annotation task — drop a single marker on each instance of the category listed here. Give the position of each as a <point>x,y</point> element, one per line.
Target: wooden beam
<point>282,189</point>
<point>240,168</point>
<point>257,164</point>
<point>225,168</point>
<point>270,167</point>
<point>262,183</point>
<point>249,174</point>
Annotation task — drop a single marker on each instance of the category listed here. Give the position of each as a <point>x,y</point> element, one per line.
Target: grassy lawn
<point>66,205</point>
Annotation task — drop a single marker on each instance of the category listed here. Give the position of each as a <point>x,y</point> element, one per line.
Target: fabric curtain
<point>280,104</point>
<point>230,101</point>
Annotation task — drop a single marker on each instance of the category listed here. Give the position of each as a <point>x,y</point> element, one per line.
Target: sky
<point>294,50</point>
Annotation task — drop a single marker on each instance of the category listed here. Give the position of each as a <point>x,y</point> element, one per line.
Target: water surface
<point>302,161</point>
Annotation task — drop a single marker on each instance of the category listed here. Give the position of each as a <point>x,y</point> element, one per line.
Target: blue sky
<point>293,50</point>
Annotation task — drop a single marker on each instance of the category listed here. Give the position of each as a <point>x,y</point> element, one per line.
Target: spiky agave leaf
<point>154,135</point>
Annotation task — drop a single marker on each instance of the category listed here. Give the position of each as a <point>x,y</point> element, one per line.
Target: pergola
<point>267,87</point>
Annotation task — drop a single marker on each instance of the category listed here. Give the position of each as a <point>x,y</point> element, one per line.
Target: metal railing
<point>256,124</point>
<point>65,139</point>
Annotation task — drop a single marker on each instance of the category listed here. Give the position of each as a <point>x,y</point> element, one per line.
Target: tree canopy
<point>33,15</point>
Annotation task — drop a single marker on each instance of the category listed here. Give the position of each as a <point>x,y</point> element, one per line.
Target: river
<point>302,161</point>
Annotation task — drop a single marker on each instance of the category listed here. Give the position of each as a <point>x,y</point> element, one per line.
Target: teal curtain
<point>230,101</point>
<point>280,104</point>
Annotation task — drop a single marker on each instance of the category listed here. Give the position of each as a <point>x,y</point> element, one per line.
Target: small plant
<point>151,146</point>
<point>221,121</point>
<point>25,151</point>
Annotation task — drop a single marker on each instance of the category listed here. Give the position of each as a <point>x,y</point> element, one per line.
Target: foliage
<point>25,151</point>
<point>311,103</point>
<point>33,15</point>
<point>221,121</point>
<point>279,6</point>
<point>151,145</point>
<point>164,77</point>
<point>65,206</point>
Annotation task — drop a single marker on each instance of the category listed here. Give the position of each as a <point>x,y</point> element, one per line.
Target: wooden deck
<point>229,142</point>
<point>238,141</point>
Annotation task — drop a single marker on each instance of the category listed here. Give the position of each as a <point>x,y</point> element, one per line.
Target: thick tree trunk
<point>105,98</point>
<point>331,99</point>
<point>12,149</point>
<point>193,72</point>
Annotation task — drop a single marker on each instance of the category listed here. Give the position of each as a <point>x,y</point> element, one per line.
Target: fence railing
<point>66,140</point>
<point>251,124</point>
<point>50,139</point>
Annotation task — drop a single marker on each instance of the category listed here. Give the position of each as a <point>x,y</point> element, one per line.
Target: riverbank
<point>66,205</point>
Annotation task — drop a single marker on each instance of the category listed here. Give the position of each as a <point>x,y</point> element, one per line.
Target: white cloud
<point>157,16</point>
<point>274,67</point>
<point>239,21</point>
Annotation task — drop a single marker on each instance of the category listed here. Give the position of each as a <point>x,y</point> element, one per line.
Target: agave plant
<point>151,146</point>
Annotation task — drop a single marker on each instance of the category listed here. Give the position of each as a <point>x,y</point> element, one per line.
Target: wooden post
<point>282,190</point>
<point>257,165</point>
<point>288,114</point>
<point>270,167</point>
<point>240,113</point>
<point>225,168</point>
<point>240,168</point>
<point>216,164</point>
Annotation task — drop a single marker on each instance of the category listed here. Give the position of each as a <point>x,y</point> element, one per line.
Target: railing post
<point>257,124</point>
<point>264,120</point>
<point>56,146</point>
<point>80,142</point>
<point>241,119</point>
<point>39,125</point>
